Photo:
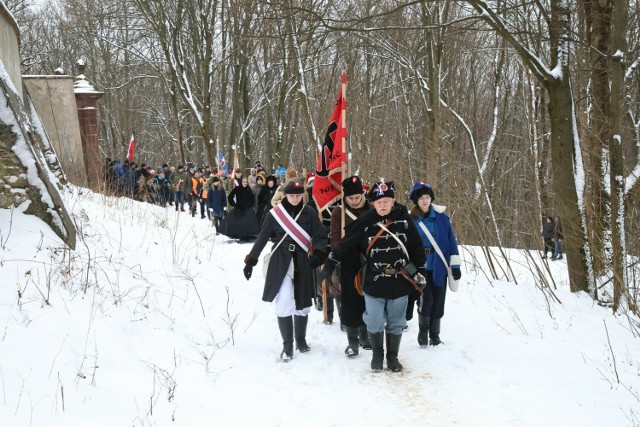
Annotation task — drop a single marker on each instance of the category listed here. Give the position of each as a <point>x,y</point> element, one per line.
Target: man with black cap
<point>387,239</point>
<point>352,303</point>
<point>295,230</point>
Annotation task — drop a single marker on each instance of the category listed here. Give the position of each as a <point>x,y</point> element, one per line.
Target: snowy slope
<point>150,322</point>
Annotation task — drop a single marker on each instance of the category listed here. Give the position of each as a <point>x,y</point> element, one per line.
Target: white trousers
<point>285,302</point>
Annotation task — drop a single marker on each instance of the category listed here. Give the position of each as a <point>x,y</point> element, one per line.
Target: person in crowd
<point>431,218</point>
<point>216,202</point>
<point>272,187</point>
<point>168,171</point>
<point>387,238</point>
<point>253,176</point>
<point>558,236</point>
<point>263,199</point>
<point>259,167</point>
<point>129,178</point>
<point>236,180</point>
<point>180,181</point>
<point>277,197</point>
<point>295,231</point>
<point>351,302</point>
<point>241,221</point>
<point>162,188</point>
<point>547,236</point>
<point>280,173</point>
<point>202,194</point>
<point>119,177</point>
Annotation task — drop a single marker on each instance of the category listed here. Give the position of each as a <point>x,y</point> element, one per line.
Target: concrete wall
<point>10,47</point>
<point>55,103</point>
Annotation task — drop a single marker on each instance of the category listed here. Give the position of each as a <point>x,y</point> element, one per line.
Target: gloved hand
<point>456,273</point>
<point>325,274</point>
<point>317,259</point>
<point>247,271</point>
<point>249,262</point>
<point>327,270</point>
<point>420,280</point>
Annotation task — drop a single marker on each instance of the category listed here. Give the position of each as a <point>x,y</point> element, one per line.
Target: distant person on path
<point>295,231</point>
<point>547,236</point>
<point>558,236</point>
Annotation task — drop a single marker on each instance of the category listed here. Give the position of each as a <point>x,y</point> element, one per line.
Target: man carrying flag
<point>132,145</point>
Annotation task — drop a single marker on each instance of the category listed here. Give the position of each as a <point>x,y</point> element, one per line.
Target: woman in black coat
<point>289,277</point>
<point>241,221</point>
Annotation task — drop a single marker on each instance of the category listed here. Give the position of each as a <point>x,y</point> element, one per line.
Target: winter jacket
<point>217,200</point>
<point>386,252</point>
<point>440,228</point>
<point>180,180</point>
<point>241,198</point>
<point>287,251</point>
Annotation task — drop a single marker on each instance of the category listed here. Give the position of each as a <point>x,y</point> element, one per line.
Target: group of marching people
<point>384,259</point>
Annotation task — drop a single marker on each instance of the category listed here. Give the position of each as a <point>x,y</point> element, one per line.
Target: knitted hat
<point>293,186</point>
<point>380,190</point>
<point>420,188</point>
<point>352,186</point>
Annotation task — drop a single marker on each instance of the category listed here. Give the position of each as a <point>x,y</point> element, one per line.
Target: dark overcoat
<point>303,280</point>
<point>386,252</point>
<point>352,306</point>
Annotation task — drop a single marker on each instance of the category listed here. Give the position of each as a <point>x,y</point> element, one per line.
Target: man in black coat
<point>393,261</point>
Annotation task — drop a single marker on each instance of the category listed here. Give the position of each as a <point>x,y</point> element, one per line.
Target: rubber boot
<point>286,330</point>
<point>434,332</point>
<point>393,345</point>
<point>364,337</point>
<point>300,326</point>
<point>423,333</point>
<point>354,345</point>
<point>376,341</point>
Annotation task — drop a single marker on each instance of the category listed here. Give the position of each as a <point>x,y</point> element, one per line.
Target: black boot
<point>286,330</point>
<point>423,334</point>
<point>434,332</point>
<point>364,337</point>
<point>376,341</point>
<point>300,326</point>
<point>354,345</point>
<point>393,345</point>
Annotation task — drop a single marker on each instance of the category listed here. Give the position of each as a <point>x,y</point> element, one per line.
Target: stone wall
<point>10,47</point>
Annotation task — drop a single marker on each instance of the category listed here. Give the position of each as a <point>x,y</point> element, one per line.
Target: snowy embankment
<point>150,322</point>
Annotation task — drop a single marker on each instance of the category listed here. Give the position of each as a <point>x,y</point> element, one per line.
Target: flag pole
<point>344,166</point>
<point>218,155</point>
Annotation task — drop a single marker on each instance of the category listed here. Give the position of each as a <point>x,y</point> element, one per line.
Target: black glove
<point>317,259</point>
<point>247,271</point>
<point>327,271</point>
<point>325,274</point>
<point>456,273</point>
<point>249,264</point>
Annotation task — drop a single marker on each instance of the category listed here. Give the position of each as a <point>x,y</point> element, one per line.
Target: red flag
<point>132,146</point>
<point>327,184</point>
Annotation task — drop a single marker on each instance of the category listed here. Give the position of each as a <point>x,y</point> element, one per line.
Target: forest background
<point>513,110</point>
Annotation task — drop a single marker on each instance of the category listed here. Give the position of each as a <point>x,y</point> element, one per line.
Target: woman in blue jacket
<point>431,305</point>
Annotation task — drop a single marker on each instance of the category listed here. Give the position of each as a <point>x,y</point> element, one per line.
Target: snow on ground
<point>150,322</point>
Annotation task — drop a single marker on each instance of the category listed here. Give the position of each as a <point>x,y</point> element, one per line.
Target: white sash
<point>453,284</point>
<point>291,227</point>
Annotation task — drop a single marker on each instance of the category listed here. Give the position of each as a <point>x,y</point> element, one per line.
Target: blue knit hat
<point>420,188</point>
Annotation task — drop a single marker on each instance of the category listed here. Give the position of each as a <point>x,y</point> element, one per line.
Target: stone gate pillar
<point>87,103</point>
